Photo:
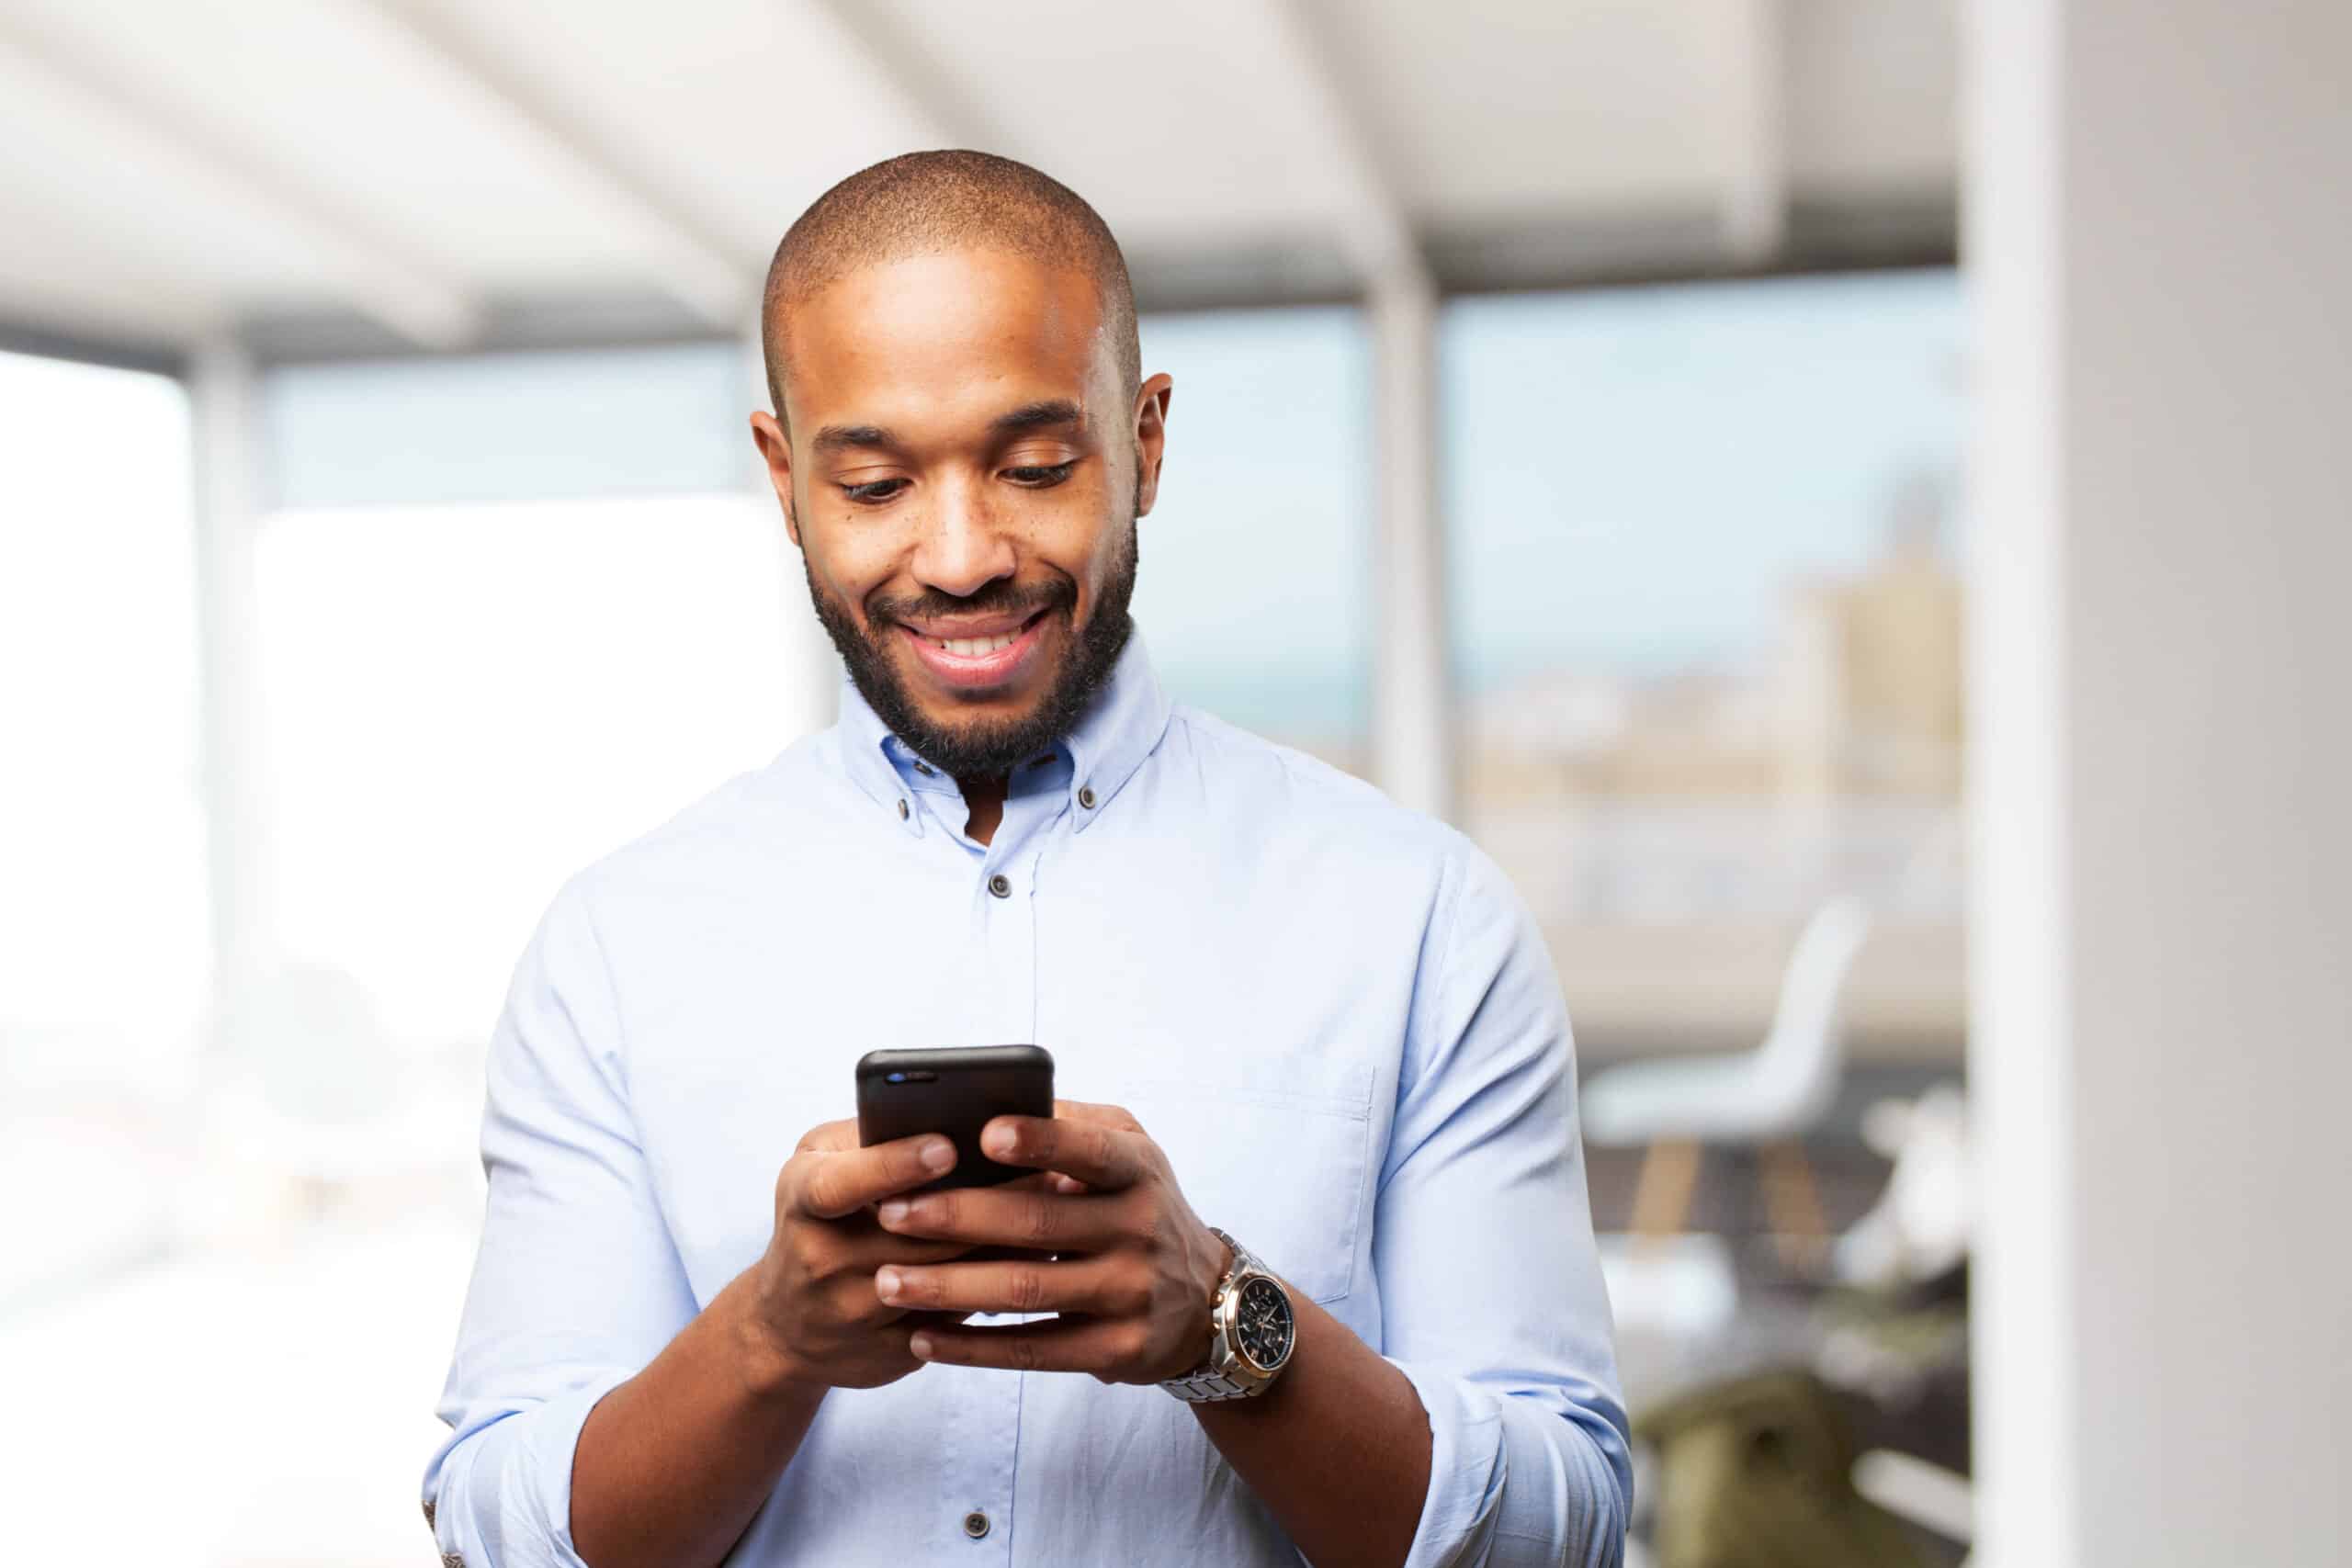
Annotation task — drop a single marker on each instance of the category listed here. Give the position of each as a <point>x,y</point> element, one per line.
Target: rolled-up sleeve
<point>577,1284</point>
<point>1491,1297</point>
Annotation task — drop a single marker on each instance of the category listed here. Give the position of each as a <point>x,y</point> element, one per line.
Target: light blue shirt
<point>1333,1014</point>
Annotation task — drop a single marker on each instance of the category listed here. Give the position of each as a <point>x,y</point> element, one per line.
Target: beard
<point>987,748</point>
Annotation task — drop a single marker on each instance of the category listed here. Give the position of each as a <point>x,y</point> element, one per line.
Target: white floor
<point>265,1406</point>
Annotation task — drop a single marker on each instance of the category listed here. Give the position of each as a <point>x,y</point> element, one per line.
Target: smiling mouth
<point>979,663</point>
<point>971,647</point>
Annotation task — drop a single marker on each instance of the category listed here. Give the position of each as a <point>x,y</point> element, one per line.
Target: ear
<point>776,451</point>
<point>1151,438</point>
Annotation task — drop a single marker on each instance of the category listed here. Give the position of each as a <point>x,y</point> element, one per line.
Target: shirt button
<point>926,770</point>
<point>1001,885</point>
<point>976,1524</point>
<point>902,811</point>
<point>1086,797</point>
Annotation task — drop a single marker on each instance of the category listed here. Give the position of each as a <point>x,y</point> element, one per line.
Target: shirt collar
<point>1120,728</point>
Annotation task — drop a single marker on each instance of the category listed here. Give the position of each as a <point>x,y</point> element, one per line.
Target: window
<point>102,921</point>
<point>466,704</point>
<point>102,834</point>
<point>1706,627</point>
<point>515,609</point>
<point>1254,581</point>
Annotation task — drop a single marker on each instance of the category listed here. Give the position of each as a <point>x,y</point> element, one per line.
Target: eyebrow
<point>1048,413</point>
<point>835,438</point>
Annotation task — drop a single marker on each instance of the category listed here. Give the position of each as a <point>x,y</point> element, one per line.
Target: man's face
<point>963,478</point>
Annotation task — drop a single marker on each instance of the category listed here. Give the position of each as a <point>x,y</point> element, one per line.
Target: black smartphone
<point>955,1090</point>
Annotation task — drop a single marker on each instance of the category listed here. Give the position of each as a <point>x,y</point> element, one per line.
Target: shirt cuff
<point>1465,1466</point>
<point>512,1501</point>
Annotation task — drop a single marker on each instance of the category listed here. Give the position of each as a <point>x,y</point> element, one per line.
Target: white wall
<point>2160,234</point>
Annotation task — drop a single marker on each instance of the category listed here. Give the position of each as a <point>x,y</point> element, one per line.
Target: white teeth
<point>973,646</point>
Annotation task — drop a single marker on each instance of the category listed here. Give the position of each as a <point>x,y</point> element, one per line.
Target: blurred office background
<point>1585,428</point>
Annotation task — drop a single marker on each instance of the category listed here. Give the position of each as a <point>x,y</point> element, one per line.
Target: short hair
<point>920,203</point>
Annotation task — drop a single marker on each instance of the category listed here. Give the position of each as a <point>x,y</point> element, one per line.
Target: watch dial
<point>1262,1324</point>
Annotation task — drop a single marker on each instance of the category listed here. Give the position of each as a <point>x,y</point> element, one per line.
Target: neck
<point>984,799</point>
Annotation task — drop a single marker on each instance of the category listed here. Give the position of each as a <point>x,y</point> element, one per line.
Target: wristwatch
<point>1251,1333</point>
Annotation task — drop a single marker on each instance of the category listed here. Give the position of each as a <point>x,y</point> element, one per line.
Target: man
<point>1296,1012</point>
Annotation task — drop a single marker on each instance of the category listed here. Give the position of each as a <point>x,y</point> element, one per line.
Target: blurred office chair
<point>1766,1098</point>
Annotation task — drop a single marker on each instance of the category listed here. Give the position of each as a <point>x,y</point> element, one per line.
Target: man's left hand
<point>1129,1267</point>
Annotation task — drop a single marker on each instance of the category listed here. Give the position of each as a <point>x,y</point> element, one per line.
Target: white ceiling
<point>431,167</point>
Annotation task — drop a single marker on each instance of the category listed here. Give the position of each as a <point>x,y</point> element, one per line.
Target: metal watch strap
<point>1202,1387</point>
<point>1244,1260</point>
<point>1210,1383</point>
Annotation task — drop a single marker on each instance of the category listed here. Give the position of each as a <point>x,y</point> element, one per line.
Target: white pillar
<point>225,430</point>
<point>1412,739</point>
<point>810,687</point>
<point>1753,106</point>
<point>2161,668</point>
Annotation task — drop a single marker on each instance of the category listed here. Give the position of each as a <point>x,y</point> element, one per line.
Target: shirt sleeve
<point>1491,1296</point>
<point>577,1284</point>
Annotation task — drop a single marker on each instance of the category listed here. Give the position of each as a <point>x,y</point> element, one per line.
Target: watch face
<point>1261,1324</point>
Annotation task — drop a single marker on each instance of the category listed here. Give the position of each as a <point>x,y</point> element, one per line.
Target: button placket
<point>1003,1007</point>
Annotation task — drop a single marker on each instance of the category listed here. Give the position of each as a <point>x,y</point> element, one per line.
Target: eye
<point>874,492</point>
<point>1041,476</point>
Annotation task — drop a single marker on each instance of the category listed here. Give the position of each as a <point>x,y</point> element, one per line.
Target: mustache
<point>1002,597</point>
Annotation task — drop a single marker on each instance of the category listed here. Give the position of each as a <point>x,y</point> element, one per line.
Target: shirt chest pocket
<point>1280,1171</point>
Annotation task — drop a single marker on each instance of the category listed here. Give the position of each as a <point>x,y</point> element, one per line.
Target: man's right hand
<point>816,1320</point>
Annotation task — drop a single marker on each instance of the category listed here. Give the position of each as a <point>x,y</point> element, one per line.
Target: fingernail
<point>938,1154</point>
<point>1000,1140</point>
<point>893,1210</point>
<point>921,1345</point>
<point>886,1285</point>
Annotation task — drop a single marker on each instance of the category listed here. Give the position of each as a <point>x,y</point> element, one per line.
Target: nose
<point>964,550</point>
